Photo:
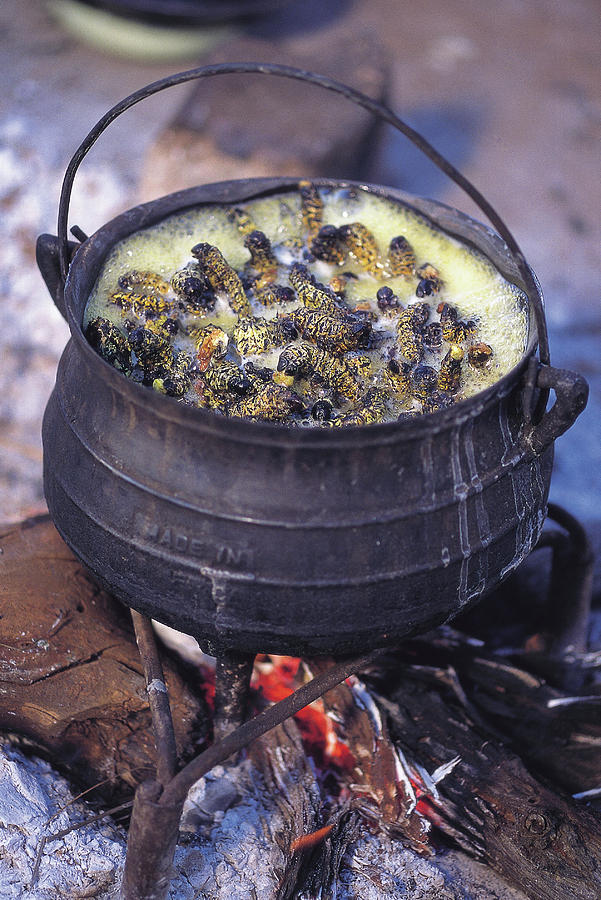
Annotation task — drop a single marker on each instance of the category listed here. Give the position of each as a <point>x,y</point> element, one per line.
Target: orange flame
<point>277,677</point>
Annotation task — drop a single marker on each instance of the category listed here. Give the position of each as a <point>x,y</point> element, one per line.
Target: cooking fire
<point>307,306</point>
<point>407,755</point>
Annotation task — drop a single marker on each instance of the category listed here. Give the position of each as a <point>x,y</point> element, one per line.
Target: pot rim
<point>96,248</point>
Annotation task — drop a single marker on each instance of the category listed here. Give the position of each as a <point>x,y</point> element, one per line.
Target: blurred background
<point>508,91</point>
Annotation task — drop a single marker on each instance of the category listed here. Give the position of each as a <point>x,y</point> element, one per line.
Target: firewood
<point>544,843</point>
<point>286,774</point>
<point>556,733</point>
<point>320,871</point>
<point>374,783</point>
<point>70,674</point>
<point>352,847</point>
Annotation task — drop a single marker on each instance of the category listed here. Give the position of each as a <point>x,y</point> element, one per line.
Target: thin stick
<point>158,698</point>
<point>148,861</point>
<point>93,788</point>
<point>177,789</point>
<point>60,834</point>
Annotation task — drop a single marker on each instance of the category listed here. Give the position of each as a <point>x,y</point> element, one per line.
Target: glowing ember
<point>343,733</point>
<point>278,677</point>
<point>346,737</point>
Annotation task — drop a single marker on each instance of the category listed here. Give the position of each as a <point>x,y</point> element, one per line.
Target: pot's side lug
<point>571,391</point>
<point>47,258</point>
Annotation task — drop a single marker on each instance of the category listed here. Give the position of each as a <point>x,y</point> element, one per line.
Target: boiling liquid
<point>471,284</point>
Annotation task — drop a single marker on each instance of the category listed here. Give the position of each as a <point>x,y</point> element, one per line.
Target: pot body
<point>261,538</point>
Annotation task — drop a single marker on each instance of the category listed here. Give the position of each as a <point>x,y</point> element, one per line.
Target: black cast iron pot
<point>261,538</point>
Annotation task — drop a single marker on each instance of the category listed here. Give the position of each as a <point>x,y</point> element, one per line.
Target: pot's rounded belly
<point>289,549</point>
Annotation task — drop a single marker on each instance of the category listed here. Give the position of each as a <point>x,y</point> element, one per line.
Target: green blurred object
<point>136,39</point>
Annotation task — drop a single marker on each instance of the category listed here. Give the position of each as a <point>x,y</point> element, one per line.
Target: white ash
<point>229,848</point>
<point>235,852</point>
<point>33,331</point>
<point>85,863</point>
<point>376,866</point>
<point>29,189</point>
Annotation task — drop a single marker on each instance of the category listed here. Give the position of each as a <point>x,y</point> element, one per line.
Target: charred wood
<point>556,733</point>
<point>287,777</point>
<point>71,678</point>
<point>322,861</point>
<point>378,784</point>
<point>544,843</point>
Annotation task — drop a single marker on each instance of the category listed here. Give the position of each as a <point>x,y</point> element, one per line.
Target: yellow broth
<point>497,309</point>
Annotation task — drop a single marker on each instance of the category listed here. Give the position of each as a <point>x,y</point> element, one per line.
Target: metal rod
<point>571,586</point>
<point>233,672</point>
<point>178,788</point>
<point>158,698</point>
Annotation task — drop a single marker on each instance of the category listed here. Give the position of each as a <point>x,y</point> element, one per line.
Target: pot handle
<point>47,258</point>
<point>571,393</point>
<point>534,408</point>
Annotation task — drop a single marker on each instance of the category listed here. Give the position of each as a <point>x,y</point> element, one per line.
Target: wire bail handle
<point>379,110</point>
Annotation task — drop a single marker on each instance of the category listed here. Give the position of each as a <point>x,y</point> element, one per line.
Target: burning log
<point>377,780</point>
<point>352,854</point>
<point>280,758</point>
<point>544,843</point>
<point>70,673</point>
<point>557,733</point>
